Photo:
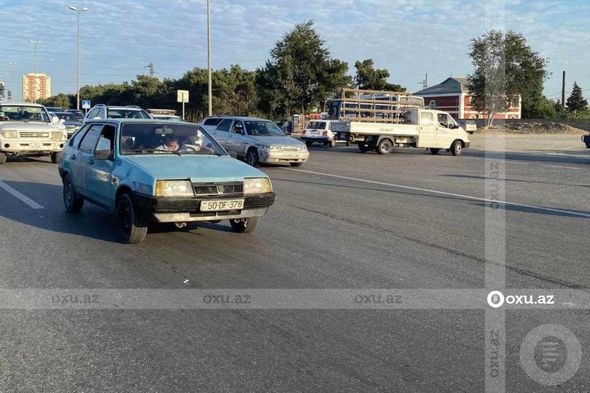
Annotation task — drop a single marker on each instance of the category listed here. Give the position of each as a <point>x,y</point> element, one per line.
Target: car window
<point>224,125</point>
<point>158,138</point>
<point>23,113</point>
<point>91,114</point>
<point>107,134</point>
<point>442,120</point>
<point>75,140</point>
<point>90,139</point>
<point>127,114</point>
<point>317,125</point>
<point>426,118</point>
<point>212,121</point>
<point>237,124</point>
<point>262,128</point>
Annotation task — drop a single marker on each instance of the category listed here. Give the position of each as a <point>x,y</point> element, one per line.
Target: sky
<point>410,38</point>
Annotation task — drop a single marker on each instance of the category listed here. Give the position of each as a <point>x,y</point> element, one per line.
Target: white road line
<point>437,192</point>
<point>23,198</point>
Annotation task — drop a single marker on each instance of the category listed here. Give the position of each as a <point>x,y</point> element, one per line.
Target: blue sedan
<point>160,171</point>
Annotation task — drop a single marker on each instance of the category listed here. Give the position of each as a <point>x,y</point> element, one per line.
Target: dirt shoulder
<point>566,142</point>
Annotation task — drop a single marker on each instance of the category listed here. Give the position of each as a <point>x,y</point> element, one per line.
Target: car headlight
<point>302,148</point>
<point>258,185</point>
<point>174,188</point>
<point>10,134</point>
<point>57,135</point>
<point>271,148</point>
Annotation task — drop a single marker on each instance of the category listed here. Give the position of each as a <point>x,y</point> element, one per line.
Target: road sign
<point>85,104</point>
<point>182,96</point>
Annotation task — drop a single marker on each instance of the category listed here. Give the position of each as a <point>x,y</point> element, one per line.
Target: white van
<point>325,132</point>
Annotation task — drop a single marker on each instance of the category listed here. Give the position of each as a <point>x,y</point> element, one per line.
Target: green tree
<point>367,77</point>
<point>65,101</point>
<point>576,101</point>
<point>505,67</point>
<point>300,74</point>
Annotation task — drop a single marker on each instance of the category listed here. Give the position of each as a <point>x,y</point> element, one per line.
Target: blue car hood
<point>197,168</point>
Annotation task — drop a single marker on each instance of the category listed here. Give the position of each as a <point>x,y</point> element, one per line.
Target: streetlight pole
<point>35,43</point>
<point>210,89</point>
<point>12,72</point>
<point>78,10</point>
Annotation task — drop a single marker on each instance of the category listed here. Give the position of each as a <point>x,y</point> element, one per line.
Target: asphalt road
<point>346,220</point>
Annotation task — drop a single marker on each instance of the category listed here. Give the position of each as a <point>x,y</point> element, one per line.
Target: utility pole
<point>35,43</point>
<point>424,83</point>
<point>12,73</point>
<point>209,88</point>
<point>77,11</point>
<point>563,90</point>
<point>151,69</point>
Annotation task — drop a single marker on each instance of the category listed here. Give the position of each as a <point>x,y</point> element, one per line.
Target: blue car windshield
<point>262,128</point>
<point>161,138</point>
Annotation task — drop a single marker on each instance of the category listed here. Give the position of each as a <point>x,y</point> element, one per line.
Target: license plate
<point>35,145</point>
<point>217,205</point>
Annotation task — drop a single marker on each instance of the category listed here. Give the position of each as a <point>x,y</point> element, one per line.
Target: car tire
<point>308,143</point>
<point>384,146</point>
<point>3,158</point>
<point>434,151</point>
<point>252,158</point>
<point>55,158</point>
<point>244,225</point>
<point>133,227</point>
<point>457,148</point>
<point>72,202</point>
<point>296,164</point>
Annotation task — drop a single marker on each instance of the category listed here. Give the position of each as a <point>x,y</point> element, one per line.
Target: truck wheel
<point>244,225</point>
<point>134,228</point>
<point>434,151</point>
<point>3,158</point>
<point>252,157</point>
<point>55,158</point>
<point>457,148</point>
<point>308,143</point>
<point>72,202</point>
<point>384,146</point>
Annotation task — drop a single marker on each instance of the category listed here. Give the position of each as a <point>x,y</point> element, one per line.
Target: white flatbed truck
<point>379,122</point>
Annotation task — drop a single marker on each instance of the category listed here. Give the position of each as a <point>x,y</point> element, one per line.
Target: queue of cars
<point>145,170</point>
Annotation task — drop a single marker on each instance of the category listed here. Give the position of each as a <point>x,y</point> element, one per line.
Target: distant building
<point>453,96</point>
<point>36,86</point>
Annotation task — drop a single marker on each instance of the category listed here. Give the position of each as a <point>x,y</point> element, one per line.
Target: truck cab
<point>28,130</point>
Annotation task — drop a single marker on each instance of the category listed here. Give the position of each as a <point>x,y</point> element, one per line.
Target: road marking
<point>23,198</point>
<point>438,192</point>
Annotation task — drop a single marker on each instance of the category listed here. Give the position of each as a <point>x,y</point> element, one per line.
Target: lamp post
<point>77,11</point>
<point>12,73</point>
<point>35,44</point>
<point>210,89</point>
